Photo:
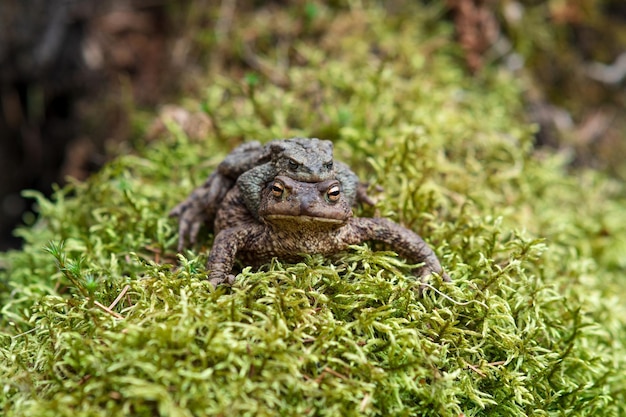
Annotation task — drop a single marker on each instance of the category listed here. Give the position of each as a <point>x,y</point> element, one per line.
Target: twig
<point>24,333</point>
<point>327,370</point>
<point>119,297</point>
<point>335,373</point>
<point>108,310</point>
<point>481,373</point>
<point>478,371</point>
<point>364,402</point>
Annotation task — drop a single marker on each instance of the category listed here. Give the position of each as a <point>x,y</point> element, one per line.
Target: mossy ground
<point>532,324</point>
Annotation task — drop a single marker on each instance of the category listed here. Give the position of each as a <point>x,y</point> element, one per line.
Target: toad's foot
<point>190,218</point>
<point>216,278</point>
<point>200,208</point>
<point>403,241</point>
<point>363,197</point>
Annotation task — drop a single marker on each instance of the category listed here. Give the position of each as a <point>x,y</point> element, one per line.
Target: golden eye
<point>333,193</point>
<point>277,189</point>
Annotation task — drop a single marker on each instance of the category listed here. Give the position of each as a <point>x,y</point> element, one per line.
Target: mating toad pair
<point>284,199</point>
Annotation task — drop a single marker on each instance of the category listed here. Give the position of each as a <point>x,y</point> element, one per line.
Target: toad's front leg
<point>224,252</point>
<point>405,242</point>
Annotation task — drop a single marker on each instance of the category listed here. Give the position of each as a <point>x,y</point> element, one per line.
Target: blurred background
<point>80,81</point>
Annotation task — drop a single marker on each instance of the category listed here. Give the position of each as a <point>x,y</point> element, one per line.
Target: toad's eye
<point>293,165</point>
<point>333,194</point>
<point>277,189</point>
<point>328,165</point>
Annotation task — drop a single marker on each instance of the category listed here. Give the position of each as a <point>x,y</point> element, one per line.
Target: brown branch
<point>478,371</point>
<point>108,310</point>
<point>119,297</point>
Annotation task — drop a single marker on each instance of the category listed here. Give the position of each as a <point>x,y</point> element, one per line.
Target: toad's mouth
<point>304,219</point>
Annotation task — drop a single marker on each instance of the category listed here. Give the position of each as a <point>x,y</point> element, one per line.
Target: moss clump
<point>532,324</point>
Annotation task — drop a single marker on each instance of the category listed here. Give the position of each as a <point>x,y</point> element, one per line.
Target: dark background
<point>73,72</point>
<point>65,68</point>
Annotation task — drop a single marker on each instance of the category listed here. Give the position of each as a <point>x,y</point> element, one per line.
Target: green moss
<point>532,324</point>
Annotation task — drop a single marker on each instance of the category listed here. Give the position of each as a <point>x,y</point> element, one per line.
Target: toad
<point>251,166</point>
<point>296,218</point>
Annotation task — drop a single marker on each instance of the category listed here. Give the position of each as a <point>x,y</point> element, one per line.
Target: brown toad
<point>251,166</point>
<point>297,218</point>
